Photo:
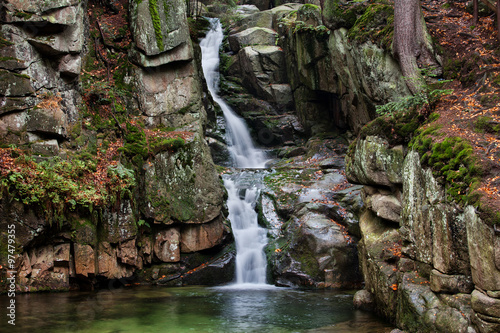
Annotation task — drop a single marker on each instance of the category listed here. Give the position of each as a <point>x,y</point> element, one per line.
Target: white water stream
<point>249,237</point>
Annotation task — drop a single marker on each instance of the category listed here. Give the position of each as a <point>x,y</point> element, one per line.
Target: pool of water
<point>191,309</point>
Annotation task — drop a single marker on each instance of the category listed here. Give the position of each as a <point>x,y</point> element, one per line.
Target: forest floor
<point>471,59</point>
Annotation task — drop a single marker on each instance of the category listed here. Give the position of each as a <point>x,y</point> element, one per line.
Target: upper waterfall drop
<point>241,147</point>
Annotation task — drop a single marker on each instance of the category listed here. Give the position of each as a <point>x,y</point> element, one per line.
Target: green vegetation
<point>58,186</point>
<point>486,125</point>
<point>198,27</point>
<point>155,17</point>
<point>376,24</point>
<point>453,163</point>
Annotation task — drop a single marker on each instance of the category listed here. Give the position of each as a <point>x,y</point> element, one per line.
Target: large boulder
<point>158,26</point>
<point>252,36</point>
<point>375,163</point>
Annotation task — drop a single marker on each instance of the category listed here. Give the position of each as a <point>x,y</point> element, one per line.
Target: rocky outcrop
<point>78,85</point>
<point>358,75</point>
<point>317,246</point>
<point>428,264</point>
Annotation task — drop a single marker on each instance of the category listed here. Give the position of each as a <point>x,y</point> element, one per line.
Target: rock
<point>262,19</point>
<point>453,284</point>
<point>167,245</point>
<point>13,84</point>
<point>252,36</point>
<point>219,271</point>
<point>364,300</point>
<point>70,65</point>
<point>10,104</point>
<point>480,238</point>
<point>62,254</point>
<point>387,207</point>
<point>485,305</point>
<point>203,236</point>
<point>183,186</point>
<point>158,26</point>
<point>374,163</point>
<point>120,224</point>
<point>50,121</point>
<point>486,324</point>
<point>45,148</point>
<point>12,122</point>
<point>260,4</point>
<point>263,73</point>
<point>127,254</point>
<point>310,14</point>
<point>182,52</point>
<point>335,17</point>
<point>84,260</point>
<point>108,265</point>
<point>246,9</point>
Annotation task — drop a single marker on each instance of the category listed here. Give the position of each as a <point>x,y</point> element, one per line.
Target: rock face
<point>357,76</point>
<point>428,265</point>
<point>79,85</point>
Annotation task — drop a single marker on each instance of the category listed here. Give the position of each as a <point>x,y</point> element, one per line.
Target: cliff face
<point>429,265</point>
<point>112,173</point>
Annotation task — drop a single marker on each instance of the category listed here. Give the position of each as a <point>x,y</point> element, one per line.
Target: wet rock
<point>219,271</point>
<point>364,300</point>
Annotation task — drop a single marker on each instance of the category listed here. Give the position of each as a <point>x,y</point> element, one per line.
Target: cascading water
<point>242,192</point>
<point>238,137</point>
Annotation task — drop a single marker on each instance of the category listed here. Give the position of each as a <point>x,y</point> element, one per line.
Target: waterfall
<point>242,191</point>
<point>238,138</point>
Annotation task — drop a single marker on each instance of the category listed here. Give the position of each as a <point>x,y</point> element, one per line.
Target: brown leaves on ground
<point>472,58</point>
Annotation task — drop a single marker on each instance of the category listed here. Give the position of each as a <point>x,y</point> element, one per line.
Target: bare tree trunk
<point>411,43</point>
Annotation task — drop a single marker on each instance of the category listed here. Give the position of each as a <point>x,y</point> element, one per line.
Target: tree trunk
<point>412,46</point>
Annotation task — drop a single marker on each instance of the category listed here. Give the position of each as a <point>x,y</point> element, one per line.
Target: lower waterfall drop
<point>242,189</point>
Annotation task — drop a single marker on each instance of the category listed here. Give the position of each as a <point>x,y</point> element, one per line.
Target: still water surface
<point>191,309</point>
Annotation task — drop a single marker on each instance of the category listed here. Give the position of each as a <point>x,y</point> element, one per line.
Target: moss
<point>4,42</point>
<point>486,124</point>
<point>155,17</point>
<point>398,129</point>
<point>23,15</point>
<point>453,164</point>
<point>198,27</point>
<point>376,24</point>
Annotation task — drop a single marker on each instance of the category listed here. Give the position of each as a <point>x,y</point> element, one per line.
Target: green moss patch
<point>453,163</point>
<point>376,24</point>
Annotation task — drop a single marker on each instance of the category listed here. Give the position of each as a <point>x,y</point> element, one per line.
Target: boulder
<point>183,186</point>
<point>485,305</point>
<point>46,148</point>
<point>70,65</point>
<point>49,121</point>
<point>84,260</point>
<point>386,206</point>
<point>252,36</point>
<point>481,242</point>
<point>13,84</point>
<point>167,245</point>
<point>453,284</point>
<point>202,236</point>
<point>158,26</point>
<point>364,300</point>
<point>120,224</point>
<point>182,52</point>
<point>375,163</point>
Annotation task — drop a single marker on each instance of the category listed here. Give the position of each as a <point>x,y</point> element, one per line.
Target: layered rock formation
<point>77,81</point>
<point>428,264</point>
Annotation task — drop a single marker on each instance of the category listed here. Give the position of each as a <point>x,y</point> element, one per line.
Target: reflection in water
<point>191,309</point>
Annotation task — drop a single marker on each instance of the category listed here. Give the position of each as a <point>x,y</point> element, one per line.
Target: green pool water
<point>190,309</point>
